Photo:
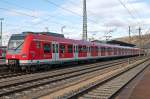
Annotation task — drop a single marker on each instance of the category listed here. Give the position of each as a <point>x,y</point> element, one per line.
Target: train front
<point>16,50</point>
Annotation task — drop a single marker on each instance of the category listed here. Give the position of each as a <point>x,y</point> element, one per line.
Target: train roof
<point>80,42</point>
<point>46,33</point>
<point>120,43</point>
<point>116,42</point>
<point>60,38</point>
<point>17,37</point>
<point>3,46</point>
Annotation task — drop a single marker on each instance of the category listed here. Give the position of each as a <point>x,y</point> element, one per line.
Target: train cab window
<point>37,44</point>
<point>62,48</point>
<point>70,50</point>
<point>47,48</point>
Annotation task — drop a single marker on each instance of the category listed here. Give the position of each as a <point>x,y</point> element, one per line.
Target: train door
<point>75,52</point>
<point>103,51</point>
<point>99,51</point>
<point>55,55</point>
<point>88,52</point>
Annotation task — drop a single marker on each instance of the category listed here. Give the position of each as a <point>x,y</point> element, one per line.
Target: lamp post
<point>62,29</point>
<point>47,29</point>
<point>1,22</point>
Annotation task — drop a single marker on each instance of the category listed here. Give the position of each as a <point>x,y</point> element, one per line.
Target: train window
<point>80,49</point>
<point>70,48</point>
<point>37,44</point>
<point>84,49</point>
<point>106,49</point>
<point>109,49</point>
<point>89,49</point>
<point>62,48</point>
<point>99,49</point>
<point>103,49</point>
<point>96,49</point>
<point>47,48</point>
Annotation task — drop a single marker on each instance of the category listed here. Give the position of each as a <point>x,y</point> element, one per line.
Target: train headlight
<point>24,55</point>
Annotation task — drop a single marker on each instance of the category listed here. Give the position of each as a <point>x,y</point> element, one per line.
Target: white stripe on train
<point>50,61</point>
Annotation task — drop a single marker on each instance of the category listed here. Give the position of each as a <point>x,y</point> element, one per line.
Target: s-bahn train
<point>2,52</point>
<point>31,50</point>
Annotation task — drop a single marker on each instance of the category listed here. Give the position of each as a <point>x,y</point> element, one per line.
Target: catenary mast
<point>84,35</point>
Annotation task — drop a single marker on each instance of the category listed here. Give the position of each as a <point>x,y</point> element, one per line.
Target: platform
<point>139,88</point>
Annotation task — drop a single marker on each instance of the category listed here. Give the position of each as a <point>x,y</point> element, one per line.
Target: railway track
<point>109,88</point>
<point>103,86</point>
<point>12,74</point>
<point>7,74</point>
<point>16,87</point>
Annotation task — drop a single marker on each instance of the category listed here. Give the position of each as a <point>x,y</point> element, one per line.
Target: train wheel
<point>26,69</point>
<point>33,68</point>
<point>13,68</point>
<point>9,68</point>
<point>48,67</point>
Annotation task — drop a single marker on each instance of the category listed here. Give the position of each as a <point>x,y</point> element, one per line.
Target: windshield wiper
<point>18,46</point>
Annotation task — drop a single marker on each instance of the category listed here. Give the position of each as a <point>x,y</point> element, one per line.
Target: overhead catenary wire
<point>93,14</point>
<point>128,10</point>
<point>130,13</point>
<point>73,3</point>
<point>14,4</point>
<point>38,23</point>
<point>25,14</point>
<point>17,12</point>
<point>38,17</point>
<point>137,14</point>
<point>68,10</point>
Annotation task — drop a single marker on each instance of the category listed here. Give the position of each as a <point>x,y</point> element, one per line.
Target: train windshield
<point>15,43</point>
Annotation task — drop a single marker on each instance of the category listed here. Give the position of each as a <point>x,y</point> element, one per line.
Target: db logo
<point>13,56</point>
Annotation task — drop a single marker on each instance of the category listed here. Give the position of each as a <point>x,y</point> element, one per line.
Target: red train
<point>30,50</point>
<point>2,52</point>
